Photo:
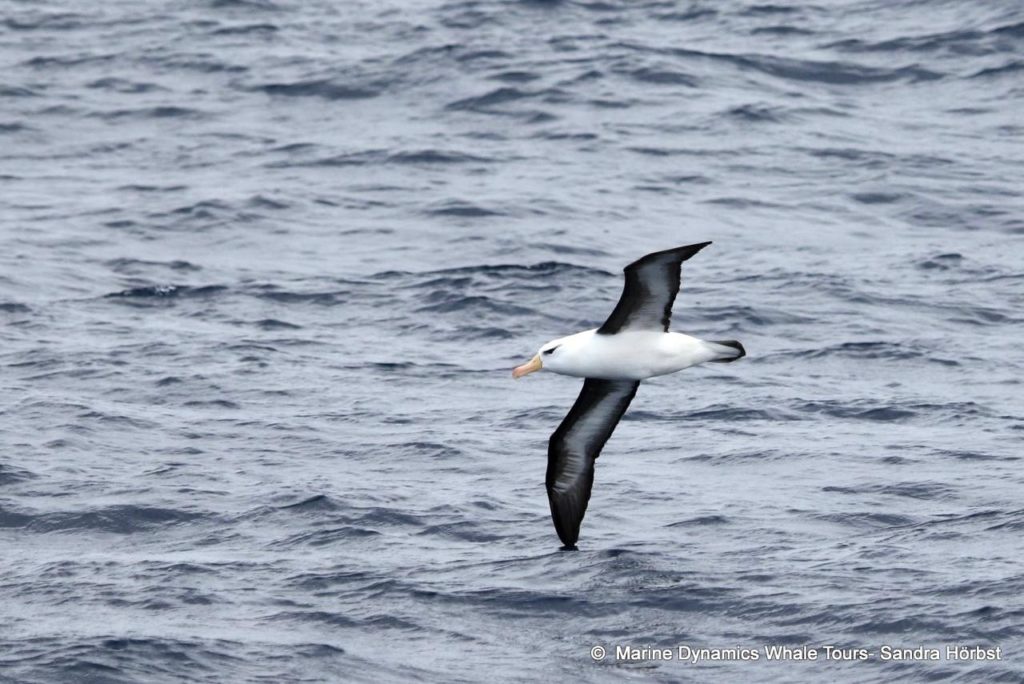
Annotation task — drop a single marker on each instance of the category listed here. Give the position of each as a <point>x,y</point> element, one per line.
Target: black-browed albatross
<point>632,345</point>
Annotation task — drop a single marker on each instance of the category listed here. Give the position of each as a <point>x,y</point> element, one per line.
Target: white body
<point>628,355</point>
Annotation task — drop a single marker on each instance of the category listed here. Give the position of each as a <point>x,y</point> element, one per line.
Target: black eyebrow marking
<point>549,351</point>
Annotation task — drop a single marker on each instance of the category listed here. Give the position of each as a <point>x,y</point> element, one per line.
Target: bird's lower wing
<point>576,444</point>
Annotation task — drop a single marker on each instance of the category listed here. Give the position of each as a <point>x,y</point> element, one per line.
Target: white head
<point>560,355</point>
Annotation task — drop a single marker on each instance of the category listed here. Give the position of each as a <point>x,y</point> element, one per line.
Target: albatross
<point>632,345</point>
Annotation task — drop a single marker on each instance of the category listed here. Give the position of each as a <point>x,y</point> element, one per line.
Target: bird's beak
<point>530,366</point>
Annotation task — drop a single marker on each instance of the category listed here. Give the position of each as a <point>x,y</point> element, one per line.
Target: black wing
<point>576,444</point>
<point>651,287</point>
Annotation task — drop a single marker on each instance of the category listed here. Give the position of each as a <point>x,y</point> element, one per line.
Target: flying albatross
<point>632,345</point>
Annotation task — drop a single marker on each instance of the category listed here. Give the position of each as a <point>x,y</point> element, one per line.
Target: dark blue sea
<point>265,268</point>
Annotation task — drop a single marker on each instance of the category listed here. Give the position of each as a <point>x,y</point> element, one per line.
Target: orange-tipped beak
<point>530,366</point>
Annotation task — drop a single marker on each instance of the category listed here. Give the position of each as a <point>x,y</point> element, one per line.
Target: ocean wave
<point>323,88</point>
<point>121,519</point>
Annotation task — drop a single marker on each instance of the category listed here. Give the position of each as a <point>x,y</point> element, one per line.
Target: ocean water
<point>265,268</point>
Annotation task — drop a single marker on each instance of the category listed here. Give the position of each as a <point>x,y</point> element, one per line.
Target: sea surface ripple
<point>265,266</point>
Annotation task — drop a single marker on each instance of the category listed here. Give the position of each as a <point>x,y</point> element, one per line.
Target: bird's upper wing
<point>576,444</point>
<point>651,286</point>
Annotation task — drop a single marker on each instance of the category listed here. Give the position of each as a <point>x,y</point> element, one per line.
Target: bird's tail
<point>726,351</point>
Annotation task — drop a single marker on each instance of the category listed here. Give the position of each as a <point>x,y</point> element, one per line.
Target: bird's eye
<point>552,350</point>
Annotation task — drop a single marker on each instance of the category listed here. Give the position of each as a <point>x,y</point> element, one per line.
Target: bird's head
<point>556,355</point>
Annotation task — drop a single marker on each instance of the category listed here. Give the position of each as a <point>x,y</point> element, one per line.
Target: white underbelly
<point>638,355</point>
